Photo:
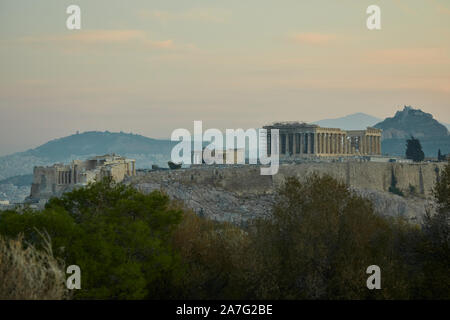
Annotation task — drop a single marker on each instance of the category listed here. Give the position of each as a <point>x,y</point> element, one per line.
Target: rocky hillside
<point>238,194</point>
<point>413,122</point>
<point>223,205</point>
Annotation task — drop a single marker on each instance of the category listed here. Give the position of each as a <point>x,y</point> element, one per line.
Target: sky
<point>150,67</point>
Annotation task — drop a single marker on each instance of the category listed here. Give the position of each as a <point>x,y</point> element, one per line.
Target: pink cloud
<point>100,37</point>
<point>413,56</point>
<point>108,36</point>
<point>440,7</point>
<point>313,38</point>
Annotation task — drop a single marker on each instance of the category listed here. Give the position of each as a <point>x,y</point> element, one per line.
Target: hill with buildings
<point>413,122</point>
<point>145,150</point>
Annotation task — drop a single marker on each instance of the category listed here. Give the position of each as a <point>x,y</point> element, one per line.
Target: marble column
<point>302,143</point>
<point>294,143</point>
<point>338,143</point>
<point>379,145</point>
<point>374,151</point>
<point>344,146</point>
<point>316,143</point>
<point>372,145</point>
<point>319,146</point>
<point>367,145</point>
<point>324,144</point>
<point>328,143</point>
<point>331,143</point>
<point>308,137</point>
<point>361,146</point>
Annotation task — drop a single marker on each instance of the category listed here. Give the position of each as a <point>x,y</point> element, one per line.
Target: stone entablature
<point>58,178</point>
<point>299,140</point>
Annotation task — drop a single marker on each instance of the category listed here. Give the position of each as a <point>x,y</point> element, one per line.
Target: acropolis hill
<point>238,193</point>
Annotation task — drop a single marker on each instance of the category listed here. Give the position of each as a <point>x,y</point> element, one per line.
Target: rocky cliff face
<point>237,194</point>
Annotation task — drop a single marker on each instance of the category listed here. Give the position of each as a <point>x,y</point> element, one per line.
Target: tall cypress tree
<point>414,150</point>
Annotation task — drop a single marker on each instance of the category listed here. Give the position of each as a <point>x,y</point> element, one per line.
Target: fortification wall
<point>246,179</point>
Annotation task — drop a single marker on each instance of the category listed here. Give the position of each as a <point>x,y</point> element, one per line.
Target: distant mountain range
<point>355,121</point>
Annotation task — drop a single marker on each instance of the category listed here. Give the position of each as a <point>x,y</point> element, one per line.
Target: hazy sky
<point>150,67</point>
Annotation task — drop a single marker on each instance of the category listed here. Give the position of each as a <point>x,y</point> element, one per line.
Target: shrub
<point>27,273</point>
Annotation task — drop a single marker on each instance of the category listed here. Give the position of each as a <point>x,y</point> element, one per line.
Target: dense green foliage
<point>414,150</point>
<point>317,245</point>
<point>435,249</point>
<point>118,236</point>
<point>321,241</point>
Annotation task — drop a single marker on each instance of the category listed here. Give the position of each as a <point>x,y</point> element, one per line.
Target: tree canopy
<point>118,236</point>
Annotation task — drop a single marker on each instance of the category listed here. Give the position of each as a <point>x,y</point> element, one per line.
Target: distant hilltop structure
<point>59,178</point>
<point>303,140</point>
<point>412,122</point>
<point>417,123</point>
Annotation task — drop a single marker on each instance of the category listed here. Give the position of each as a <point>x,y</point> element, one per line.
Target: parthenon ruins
<point>298,140</point>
